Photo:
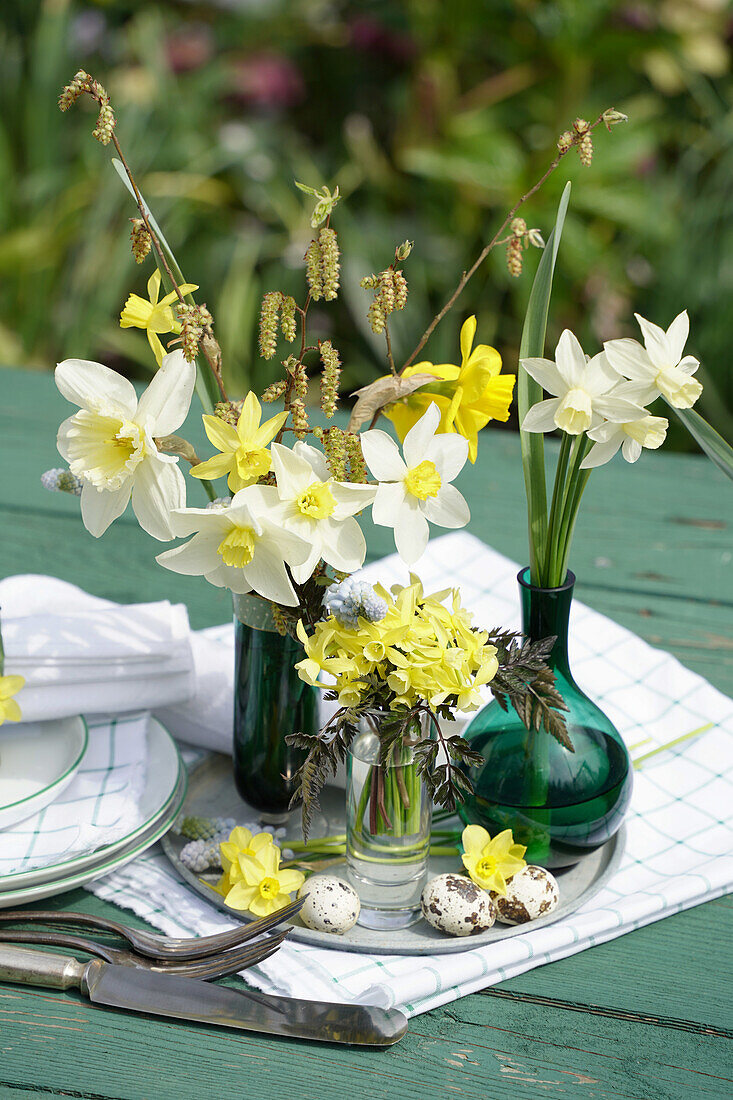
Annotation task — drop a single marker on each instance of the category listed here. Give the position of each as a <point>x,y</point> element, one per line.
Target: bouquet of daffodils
<point>286,527</point>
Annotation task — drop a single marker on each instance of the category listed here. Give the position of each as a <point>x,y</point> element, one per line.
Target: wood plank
<point>476,1047</point>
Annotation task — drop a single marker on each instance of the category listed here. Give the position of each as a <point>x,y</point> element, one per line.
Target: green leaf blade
<point>530,392</point>
<point>715,447</point>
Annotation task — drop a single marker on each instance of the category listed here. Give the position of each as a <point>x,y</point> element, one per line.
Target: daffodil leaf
<point>712,443</point>
<point>529,393</point>
<point>385,391</point>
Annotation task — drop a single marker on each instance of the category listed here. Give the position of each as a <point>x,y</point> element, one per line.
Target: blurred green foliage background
<point>432,117</point>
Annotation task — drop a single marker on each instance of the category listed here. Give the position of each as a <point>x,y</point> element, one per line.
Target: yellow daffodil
<point>262,886</point>
<point>244,450</point>
<point>241,842</point>
<point>491,862</point>
<point>153,315</point>
<point>468,396</point>
<point>9,709</point>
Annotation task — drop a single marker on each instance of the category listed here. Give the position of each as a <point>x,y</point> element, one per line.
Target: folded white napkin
<point>83,655</point>
<point>679,844</point>
<point>100,805</point>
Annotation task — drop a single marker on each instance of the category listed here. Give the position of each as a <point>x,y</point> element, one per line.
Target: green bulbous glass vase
<point>562,805</point>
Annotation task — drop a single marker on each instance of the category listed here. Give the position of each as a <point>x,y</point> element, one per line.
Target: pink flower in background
<point>268,80</point>
<point>189,48</point>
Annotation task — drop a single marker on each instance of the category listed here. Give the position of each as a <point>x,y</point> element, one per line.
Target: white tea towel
<point>207,718</point>
<point>100,805</point>
<point>679,843</point>
<point>81,654</point>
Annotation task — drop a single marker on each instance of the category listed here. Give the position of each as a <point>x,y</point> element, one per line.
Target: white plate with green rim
<point>162,776</point>
<point>38,760</point>
<point>10,899</point>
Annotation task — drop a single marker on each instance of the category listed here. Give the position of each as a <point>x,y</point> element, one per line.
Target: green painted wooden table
<point>645,1016</point>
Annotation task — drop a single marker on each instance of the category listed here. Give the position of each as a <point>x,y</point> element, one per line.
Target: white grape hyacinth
<point>110,443</point>
<point>311,503</point>
<point>238,546</point>
<point>581,391</point>
<point>659,367</point>
<point>417,489</point>
<point>646,432</point>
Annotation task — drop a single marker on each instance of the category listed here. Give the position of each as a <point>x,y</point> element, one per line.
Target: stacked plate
<point>39,760</point>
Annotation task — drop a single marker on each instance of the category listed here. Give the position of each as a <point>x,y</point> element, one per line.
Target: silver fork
<point>214,966</point>
<point>152,944</point>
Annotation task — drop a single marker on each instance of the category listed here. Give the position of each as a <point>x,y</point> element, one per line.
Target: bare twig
<point>392,367</point>
<point>495,240</point>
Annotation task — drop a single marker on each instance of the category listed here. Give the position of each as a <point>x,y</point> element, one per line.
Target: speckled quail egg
<point>530,894</point>
<point>455,905</point>
<point>331,904</point>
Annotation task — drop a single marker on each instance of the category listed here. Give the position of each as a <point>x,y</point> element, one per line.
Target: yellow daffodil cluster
<point>253,879</point>
<point>424,651</point>
<point>490,862</point>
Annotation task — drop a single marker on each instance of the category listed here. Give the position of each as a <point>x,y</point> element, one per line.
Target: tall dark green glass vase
<point>562,805</point>
<point>270,701</point>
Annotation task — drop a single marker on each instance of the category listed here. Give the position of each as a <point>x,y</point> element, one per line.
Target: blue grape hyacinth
<point>352,599</point>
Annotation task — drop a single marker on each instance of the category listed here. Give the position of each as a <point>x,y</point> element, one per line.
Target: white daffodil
<point>659,367</point>
<point>238,546</point>
<point>319,509</point>
<point>110,442</point>
<point>418,488</point>
<point>580,389</point>
<point>632,437</point>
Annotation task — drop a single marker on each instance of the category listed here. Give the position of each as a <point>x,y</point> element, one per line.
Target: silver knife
<point>201,1002</point>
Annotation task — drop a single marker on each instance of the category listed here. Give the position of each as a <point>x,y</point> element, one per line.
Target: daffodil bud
<point>330,265</point>
<point>330,377</point>
<point>268,323</point>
